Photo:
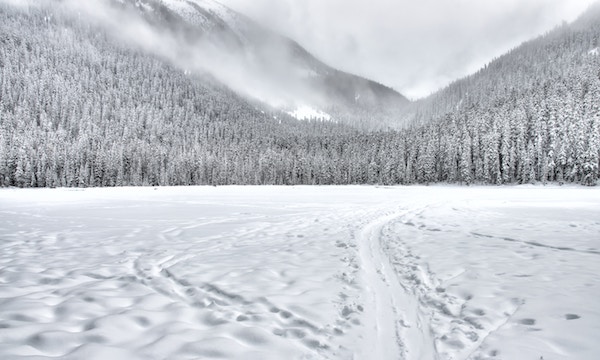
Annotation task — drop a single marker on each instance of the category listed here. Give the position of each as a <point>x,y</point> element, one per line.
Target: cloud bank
<point>415,46</point>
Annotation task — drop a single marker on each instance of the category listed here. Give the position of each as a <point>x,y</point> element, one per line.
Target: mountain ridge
<point>456,94</point>
<point>278,59</point>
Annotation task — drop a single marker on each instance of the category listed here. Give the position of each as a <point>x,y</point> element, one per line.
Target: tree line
<point>78,109</point>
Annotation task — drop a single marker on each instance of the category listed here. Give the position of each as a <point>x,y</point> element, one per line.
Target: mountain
<point>134,95</point>
<point>530,115</point>
<point>288,75</point>
<point>561,53</point>
<point>81,106</point>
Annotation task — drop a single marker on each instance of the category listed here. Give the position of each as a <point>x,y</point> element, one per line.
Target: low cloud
<point>239,70</point>
<point>415,46</point>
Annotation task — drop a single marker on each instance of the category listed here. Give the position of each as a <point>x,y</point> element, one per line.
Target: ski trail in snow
<point>397,329</point>
<point>537,244</point>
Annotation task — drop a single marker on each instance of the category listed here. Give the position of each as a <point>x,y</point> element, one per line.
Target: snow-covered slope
<point>308,113</point>
<point>546,62</point>
<point>207,14</point>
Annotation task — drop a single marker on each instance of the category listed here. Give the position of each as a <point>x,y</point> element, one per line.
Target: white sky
<point>414,46</point>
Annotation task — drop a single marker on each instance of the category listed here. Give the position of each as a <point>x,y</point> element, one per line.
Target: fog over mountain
<point>416,47</point>
<point>205,37</point>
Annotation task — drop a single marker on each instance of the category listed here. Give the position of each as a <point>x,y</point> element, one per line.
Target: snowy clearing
<point>353,272</point>
<point>308,113</point>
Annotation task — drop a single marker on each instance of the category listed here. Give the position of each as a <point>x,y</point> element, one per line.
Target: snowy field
<point>300,273</point>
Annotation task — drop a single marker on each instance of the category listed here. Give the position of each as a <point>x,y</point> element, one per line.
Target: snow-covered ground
<point>300,273</point>
<point>308,113</point>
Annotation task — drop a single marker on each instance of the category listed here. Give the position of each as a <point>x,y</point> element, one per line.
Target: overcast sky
<point>414,46</point>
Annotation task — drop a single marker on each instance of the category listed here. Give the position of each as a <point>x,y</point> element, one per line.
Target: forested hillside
<point>78,108</point>
<point>530,115</point>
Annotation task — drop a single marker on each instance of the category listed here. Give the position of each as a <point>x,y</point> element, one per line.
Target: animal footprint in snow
<point>404,324</point>
<point>242,318</point>
<point>572,317</point>
<point>527,321</point>
<point>479,312</point>
<point>285,314</point>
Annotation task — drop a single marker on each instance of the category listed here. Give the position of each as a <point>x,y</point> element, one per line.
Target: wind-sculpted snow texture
<point>300,273</point>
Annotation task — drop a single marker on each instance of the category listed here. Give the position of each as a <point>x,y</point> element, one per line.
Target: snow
<point>146,7</point>
<point>208,5</point>
<point>593,52</point>
<point>305,72</point>
<point>306,113</point>
<point>213,6</point>
<point>357,272</point>
<point>186,9</point>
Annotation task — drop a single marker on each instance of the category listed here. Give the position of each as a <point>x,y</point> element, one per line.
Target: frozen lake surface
<point>300,273</point>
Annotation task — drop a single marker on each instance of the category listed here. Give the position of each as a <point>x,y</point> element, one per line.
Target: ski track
<point>399,330</point>
<point>451,328</point>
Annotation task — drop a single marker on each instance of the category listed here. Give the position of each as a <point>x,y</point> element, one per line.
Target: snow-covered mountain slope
<point>285,68</point>
<point>561,57</point>
<point>209,15</point>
